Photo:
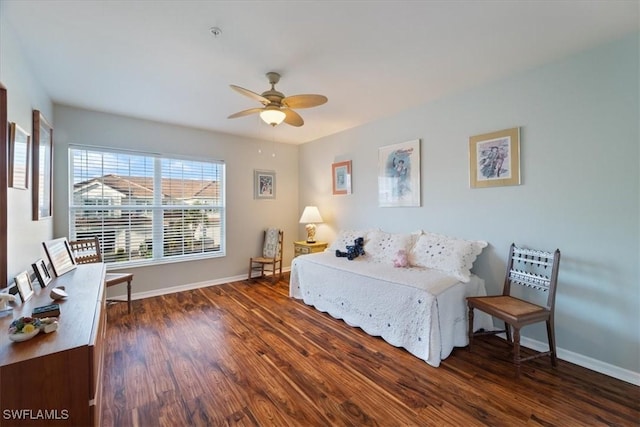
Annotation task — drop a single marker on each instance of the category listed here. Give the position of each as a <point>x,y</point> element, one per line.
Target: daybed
<point>420,308</point>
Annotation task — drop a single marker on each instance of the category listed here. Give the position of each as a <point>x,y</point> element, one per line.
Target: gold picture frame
<point>494,159</point>
<point>19,150</point>
<point>341,173</point>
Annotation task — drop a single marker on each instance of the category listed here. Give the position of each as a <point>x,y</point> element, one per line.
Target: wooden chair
<point>532,269</point>
<point>88,251</point>
<point>271,259</point>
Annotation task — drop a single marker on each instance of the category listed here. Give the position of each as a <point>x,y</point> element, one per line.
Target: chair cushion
<point>271,247</point>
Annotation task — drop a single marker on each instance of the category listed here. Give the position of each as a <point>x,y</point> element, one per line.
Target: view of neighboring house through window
<point>146,208</point>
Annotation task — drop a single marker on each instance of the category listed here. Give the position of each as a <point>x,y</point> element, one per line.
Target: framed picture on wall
<point>19,148</point>
<point>399,174</point>
<point>264,184</point>
<point>341,173</point>
<point>42,171</point>
<point>494,159</point>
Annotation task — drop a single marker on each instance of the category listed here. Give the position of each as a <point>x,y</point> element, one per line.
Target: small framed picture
<point>341,173</point>
<point>42,272</point>
<point>23,283</point>
<point>264,184</point>
<point>19,150</point>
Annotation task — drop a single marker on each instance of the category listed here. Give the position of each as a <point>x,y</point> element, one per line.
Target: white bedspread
<point>422,310</point>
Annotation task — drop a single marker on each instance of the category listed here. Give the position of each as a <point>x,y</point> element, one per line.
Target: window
<point>147,208</point>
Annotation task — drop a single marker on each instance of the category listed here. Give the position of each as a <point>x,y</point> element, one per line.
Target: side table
<point>303,248</point>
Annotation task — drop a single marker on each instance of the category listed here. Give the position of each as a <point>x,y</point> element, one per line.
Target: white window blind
<point>146,208</point>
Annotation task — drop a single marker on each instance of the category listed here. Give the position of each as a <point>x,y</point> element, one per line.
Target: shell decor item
<point>25,328</point>
<point>58,293</point>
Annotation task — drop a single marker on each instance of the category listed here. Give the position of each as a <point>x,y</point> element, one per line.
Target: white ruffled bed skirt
<point>422,310</point>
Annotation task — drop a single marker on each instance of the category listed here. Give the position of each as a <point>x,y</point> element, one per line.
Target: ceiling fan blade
<point>251,94</point>
<point>304,101</point>
<point>292,118</point>
<point>245,113</point>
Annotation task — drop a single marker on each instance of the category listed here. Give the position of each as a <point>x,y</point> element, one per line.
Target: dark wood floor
<point>244,353</point>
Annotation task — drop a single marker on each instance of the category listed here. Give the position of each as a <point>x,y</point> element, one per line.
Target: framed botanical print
<point>399,174</point>
<point>42,170</point>
<point>341,177</point>
<point>494,159</point>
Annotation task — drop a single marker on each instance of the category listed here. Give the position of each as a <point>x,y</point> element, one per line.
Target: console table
<point>55,379</point>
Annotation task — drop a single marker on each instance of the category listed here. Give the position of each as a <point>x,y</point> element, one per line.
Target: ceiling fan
<point>276,107</point>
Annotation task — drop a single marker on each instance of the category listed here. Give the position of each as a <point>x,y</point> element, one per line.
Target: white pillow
<point>447,254</point>
<point>383,247</point>
<point>346,237</point>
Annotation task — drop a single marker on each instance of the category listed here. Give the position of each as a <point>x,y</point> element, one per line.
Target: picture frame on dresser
<point>19,149</point>
<point>42,272</point>
<point>25,288</point>
<point>60,255</point>
<point>42,169</point>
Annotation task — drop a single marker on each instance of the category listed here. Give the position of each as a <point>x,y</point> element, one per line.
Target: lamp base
<point>311,233</point>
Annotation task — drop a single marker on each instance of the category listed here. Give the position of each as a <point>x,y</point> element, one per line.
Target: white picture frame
<point>23,283</point>
<point>399,175</point>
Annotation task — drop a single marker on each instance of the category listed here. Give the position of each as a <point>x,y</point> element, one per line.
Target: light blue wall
<point>580,187</point>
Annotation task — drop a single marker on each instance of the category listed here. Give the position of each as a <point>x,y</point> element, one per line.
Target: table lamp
<point>311,216</point>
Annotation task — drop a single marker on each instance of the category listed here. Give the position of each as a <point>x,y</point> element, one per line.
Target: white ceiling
<point>158,60</point>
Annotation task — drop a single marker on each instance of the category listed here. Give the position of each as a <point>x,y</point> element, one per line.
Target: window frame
<point>157,207</point>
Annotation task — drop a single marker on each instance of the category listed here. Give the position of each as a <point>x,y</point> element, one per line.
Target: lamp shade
<point>272,116</point>
<point>310,215</point>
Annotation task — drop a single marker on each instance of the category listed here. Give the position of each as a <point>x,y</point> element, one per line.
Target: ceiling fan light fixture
<point>272,116</point>
<point>276,107</point>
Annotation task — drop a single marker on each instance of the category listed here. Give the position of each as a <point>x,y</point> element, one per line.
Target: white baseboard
<point>569,356</point>
<point>584,361</point>
<point>182,288</point>
<point>186,287</point>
